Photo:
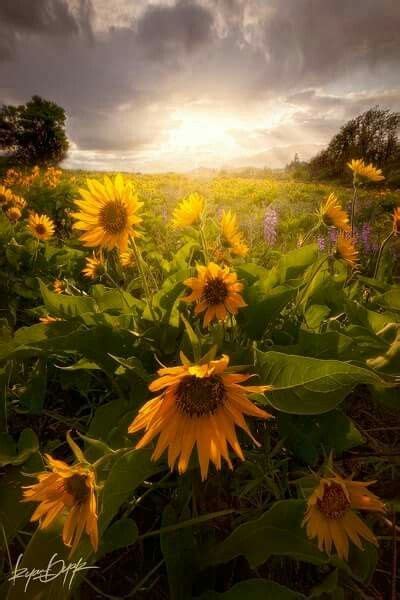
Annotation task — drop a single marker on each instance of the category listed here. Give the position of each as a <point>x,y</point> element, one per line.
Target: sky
<point>158,85</point>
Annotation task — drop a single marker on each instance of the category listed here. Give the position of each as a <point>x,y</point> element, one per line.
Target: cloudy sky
<point>155,85</point>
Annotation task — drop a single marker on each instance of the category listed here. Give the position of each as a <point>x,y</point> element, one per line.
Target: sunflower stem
<point>380,253</point>
<point>353,205</point>
<point>204,244</point>
<point>139,261</point>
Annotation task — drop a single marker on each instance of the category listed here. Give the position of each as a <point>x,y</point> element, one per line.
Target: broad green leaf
<point>303,385</point>
<point>120,534</point>
<point>254,589</point>
<point>61,305</point>
<point>33,396</point>
<point>277,532</point>
<point>315,314</point>
<point>17,454</point>
<point>263,308</point>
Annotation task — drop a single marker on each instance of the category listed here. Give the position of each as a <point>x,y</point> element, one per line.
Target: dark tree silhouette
<point>34,133</point>
<point>372,136</point>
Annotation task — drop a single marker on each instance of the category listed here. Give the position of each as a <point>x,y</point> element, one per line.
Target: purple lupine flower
<point>270,225</point>
<point>365,237</point>
<point>321,241</point>
<point>333,233</point>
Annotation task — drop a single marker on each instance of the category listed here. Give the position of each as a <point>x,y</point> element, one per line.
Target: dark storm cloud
<point>50,16</point>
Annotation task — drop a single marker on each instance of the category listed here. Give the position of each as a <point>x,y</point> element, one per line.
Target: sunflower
<point>19,201</point>
<point>333,215</point>
<point>107,213</point>
<point>69,489</point>
<point>189,211</point>
<point>330,516</point>
<point>396,220</point>
<point>6,196</point>
<point>216,291</point>
<point>41,226</point>
<point>94,266</point>
<point>58,286</point>
<point>231,234</point>
<point>127,259</point>
<point>14,213</point>
<point>365,171</point>
<point>48,319</point>
<point>197,404</point>
<point>346,250</point>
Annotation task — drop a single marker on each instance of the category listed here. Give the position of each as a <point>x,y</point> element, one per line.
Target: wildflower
<point>270,226</point>
<point>231,234</point>
<point>330,515</point>
<point>396,220</point>
<point>19,201</point>
<point>365,237</point>
<point>41,226</point>
<point>69,489</point>
<point>216,292</point>
<point>94,266</point>
<point>189,211</point>
<point>48,319</point>
<point>107,213</point>
<point>58,286</point>
<point>333,215</point>
<point>197,404</point>
<point>127,259</point>
<point>6,196</point>
<point>14,214</point>
<point>365,171</point>
<point>346,250</point>
<point>321,243</point>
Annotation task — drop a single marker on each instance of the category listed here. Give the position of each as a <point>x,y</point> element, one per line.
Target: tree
<point>372,136</point>
<point>34,133</point>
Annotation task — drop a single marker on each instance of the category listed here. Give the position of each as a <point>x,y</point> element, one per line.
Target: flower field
<point>200,385</point>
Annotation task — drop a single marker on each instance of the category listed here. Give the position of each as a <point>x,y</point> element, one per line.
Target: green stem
<point>309,234</point>
<point>204,244</point>
<point>139,261</point>
<point>353,207</point>
<point>381,249</point>
<point>188,523</point>
<point>307,286</point>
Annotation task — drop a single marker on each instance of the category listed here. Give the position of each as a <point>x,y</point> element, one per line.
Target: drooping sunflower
<point>189,211</point>
<point>396,220</point>
<point>94,266</point>
<point>330,515</point>
<point>19,201</point>
<point>41,226</point>
<point>232,235</point>
<point>66,489</point>
<point>108,213</point>
<point>127,259</point>
<point>346,250</point>
<point>14,214</point>
<point>216,292</point>
<point>333,215</point>
<point>197,404</point>
<point>6,196</point>
<point>365,171</point>
<point>58,286</point>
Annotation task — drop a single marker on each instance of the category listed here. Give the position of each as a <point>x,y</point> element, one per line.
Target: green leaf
<point>390,299</point>
<point>120,534</point>
<point>60,305</point>
<point>303,385</point>
<point>263,308</point>
<point>315,314</point>
<point>12,454</point>
<point>34,394</point>
<point>254,589</point>
<point>277,532</point>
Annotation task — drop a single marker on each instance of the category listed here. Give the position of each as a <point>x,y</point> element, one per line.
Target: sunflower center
<point>76,486</point>
<point>334,503</point>
<point>328,220</point>
<point>215,291</point>
<point>114,217</point>
<point>197,397</point>
<point>40,229</point>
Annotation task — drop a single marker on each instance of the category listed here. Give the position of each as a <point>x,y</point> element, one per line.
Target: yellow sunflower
<point>333,215</point>
<point>365,171</point>
<point>231,234</point>
<point>14,213</point>
<point>127,259</point>
<point>189,211</point>
<point>216,292</point>
<point>48,319</point>
<point>58,286</point>
<point>330,516</point>
<point>66,489</point>
<point>19,201</point>
<point>108,213</point>
<point>346,250</point>
<point>197,404</point>
<point>6,196</point>
<point>41,226</point>
<point>94,266</point>
<point>396,220</point>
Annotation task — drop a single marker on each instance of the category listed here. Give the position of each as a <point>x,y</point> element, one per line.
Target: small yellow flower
<point>107,213</point>
<point>330,516</point>
<point>14,214</point>
<point>41,226</point>
<point>66,489</point>
<point>189,211</point>
<point>198,404</point>
<point>216,292</point>
<point>396,220</point>
<point>6,196</point>
<point>19,201</point>
<point>365,171</point>
<point>58,286</point>
<point>94,266</point>
<point>231,234</point>
<point>48,320</point>
<point>333,215</point>
<point>346,250</point>
<point>127,259</point>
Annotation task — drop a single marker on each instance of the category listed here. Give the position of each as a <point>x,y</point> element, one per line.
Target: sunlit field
<point>200,384</point>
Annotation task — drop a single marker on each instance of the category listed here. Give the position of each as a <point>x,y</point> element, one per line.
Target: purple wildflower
<point>270,226</point>
<point>365,237</point>
<point>333,233</point>
<point>321,241</point>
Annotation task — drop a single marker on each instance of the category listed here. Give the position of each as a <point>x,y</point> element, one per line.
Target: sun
<point>201,131</point>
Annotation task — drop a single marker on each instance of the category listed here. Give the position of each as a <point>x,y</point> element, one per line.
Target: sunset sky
<point>175,84</point>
